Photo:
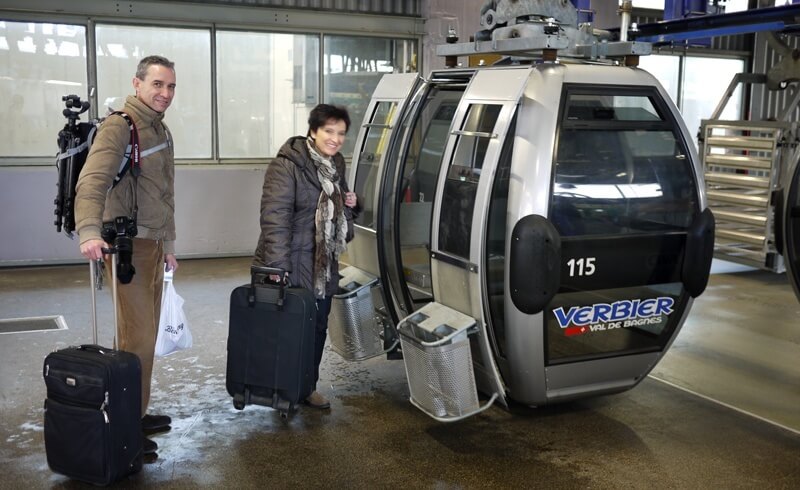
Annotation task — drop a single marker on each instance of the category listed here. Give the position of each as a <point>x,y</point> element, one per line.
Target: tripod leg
<point>69,193</point>
<point>64,138</point>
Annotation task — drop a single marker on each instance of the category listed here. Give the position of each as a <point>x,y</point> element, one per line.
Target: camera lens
<point>125,269</point>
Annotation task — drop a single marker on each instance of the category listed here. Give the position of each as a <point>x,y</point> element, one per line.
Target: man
<point>149,200</point>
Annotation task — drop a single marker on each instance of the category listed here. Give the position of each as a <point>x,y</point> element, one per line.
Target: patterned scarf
<point>331,224</point>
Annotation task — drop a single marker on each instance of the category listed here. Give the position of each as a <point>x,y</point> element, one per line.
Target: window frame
<point>387,28</point>
<point>475,139</point>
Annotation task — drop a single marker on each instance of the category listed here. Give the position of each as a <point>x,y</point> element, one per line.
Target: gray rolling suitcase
<point>92,414</point>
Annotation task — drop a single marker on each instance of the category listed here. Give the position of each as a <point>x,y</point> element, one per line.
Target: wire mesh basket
<point>354,328</point>
<point>438,362</point>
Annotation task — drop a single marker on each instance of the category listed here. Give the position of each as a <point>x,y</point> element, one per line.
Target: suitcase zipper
<point>103,409</point>
<point>70,379</point>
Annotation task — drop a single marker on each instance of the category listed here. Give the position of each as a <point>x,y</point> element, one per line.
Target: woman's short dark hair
<point>323,113</point>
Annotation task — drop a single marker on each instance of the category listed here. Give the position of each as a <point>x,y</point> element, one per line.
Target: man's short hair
<point>323,113</point>
<point>141,70</point>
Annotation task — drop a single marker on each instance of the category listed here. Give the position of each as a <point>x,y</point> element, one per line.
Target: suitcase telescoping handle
<point>93,285</point>
<point>256,270</point>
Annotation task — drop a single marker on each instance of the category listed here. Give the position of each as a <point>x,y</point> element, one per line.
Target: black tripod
<point>73,146</point>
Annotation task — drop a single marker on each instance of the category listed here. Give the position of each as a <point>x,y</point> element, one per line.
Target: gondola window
<point>463,173</point>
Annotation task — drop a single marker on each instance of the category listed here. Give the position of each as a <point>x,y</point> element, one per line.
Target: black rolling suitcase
<point>92,414</point>
<point>270,343</point>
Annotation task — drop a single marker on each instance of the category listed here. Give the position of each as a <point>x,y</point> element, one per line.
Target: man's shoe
<point>155,423</point>
<point>149,446</point>
<point>316,400</point>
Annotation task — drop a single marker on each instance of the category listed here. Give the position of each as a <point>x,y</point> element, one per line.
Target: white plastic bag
<point>173,328</point>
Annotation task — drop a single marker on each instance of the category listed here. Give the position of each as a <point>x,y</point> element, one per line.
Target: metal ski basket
<point>355,327</point>
<point>438,361</point>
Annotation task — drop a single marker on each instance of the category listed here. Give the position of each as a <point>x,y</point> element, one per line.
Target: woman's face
<point>329,138</point>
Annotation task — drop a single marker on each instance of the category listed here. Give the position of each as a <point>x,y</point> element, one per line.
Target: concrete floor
<point>741,345</point>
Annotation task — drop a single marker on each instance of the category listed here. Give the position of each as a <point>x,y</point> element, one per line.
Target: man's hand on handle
<point>93,249</point>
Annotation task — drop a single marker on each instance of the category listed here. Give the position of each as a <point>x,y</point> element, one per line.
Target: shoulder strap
<point>131,159</point>
<point>165,144</point>
<point>169,134</point>
<point>84,146</point>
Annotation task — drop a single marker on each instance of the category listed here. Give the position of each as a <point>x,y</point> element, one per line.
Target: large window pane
<point>256,73</point>
<point>704,83</point>
<point>730,6</point>
<point>647,4</point>
<point>41,63</point>
<point>119,49</point>
<point>353,67</point>
<point>666,69</point>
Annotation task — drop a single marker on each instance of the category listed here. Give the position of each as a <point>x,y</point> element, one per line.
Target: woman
<point>306,216</point>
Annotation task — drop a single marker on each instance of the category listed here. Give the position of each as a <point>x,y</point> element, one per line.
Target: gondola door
<point>475,144</point>
<point>790,228</point>
<point>384,110</point>
<point>405,207</point>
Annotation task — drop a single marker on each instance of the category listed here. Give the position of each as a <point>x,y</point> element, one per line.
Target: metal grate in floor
<point>32,324</point>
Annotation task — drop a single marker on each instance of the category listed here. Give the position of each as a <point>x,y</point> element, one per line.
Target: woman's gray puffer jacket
<point>288,205</point>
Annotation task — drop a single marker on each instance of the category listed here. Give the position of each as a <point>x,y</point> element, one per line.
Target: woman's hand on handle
<point>350,199</point>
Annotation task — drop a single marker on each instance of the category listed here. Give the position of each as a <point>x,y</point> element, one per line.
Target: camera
<point>120,233</point>
<point>75,106</point>
<point>71,100</point>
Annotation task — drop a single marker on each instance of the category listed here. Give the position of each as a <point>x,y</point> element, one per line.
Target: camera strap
<point>131,160</point>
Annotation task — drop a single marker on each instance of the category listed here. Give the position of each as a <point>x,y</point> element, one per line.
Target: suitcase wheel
<point>281,405</point>
<point>238,401</point>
